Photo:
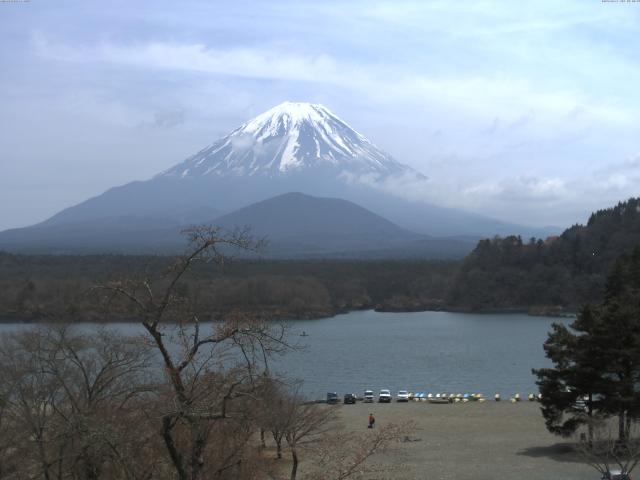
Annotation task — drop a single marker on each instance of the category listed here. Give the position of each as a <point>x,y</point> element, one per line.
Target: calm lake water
<point>421,351</point>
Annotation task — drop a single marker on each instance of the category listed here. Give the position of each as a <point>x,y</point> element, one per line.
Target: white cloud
<point>530,198</point>
<point>477,95</point>
<point>528,188</point>
<point>198,57</point>
<point>166,118</point>
<point>618,178</point>
<point>248,142</point>
<point>531,104</point>
<point>630,165</point>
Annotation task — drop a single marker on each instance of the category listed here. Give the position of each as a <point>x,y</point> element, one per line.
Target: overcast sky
<point>526,111</point>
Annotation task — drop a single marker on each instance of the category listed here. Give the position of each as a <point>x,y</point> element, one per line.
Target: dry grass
<point>472,441</point>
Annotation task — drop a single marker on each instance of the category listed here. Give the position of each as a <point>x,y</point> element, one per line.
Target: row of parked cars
<point>383,397</point>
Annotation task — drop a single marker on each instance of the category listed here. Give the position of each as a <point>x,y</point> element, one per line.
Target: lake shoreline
<point>423,351</point>
<point>278,315</point>
<point>534,311</point>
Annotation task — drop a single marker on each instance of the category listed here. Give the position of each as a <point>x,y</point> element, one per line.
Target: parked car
<point>349,398</point>
<point>384,396</point>
<point>332,397</point>
<point>402,396</point>
<point>616,475</point>
<point>368,396</point>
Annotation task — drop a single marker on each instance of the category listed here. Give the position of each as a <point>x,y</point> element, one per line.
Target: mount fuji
<point>291,139</point>
<point>294,147</point>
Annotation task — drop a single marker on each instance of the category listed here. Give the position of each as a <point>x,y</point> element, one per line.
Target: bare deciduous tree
<point>313,433</point>
<point>185,399</point>
<point>308,422</point>
<point>345,454</point>
<point>274,410</point>
<point>68,397</point>
<point>605,451</point>
<point>211,370</point>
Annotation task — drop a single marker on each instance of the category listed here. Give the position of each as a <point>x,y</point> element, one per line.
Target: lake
<point>421,351</point>
<point>418,351</point>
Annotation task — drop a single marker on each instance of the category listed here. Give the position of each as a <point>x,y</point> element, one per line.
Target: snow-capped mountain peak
<point>288,139</point>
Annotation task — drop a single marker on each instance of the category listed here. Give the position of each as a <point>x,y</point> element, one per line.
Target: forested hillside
<point>59,287</point>
<point>553,274</point>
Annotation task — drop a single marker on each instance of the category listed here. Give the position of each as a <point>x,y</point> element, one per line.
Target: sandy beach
<point>478,441</point>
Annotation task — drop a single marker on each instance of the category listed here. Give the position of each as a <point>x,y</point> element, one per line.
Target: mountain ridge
<point>294,147</point>
<point>295,224</point>
<point>298,213</point>
<point>291,137</point>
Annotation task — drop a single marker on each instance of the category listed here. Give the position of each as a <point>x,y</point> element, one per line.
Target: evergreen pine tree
<point>597,359</point>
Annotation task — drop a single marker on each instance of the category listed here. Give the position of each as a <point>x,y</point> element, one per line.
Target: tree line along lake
<point>418,351</point>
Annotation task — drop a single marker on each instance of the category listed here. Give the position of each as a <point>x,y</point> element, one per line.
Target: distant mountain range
<point>299,225</point>
<point>295,225</point>
<point>247,177</point>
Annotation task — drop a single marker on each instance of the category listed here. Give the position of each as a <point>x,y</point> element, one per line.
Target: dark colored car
<point>349,398</point>
<point>332,397</point>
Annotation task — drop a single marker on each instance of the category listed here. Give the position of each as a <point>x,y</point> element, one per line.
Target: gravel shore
<point>491,440</point>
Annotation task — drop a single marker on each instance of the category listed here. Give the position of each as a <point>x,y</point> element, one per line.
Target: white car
<point>402,396</point>
<point>616,475</point>
<point>368,396</point>
<point>384,396</point>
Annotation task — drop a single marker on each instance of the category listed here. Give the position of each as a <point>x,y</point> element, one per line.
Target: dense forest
<point>60,287</point>
<point>553,275</point>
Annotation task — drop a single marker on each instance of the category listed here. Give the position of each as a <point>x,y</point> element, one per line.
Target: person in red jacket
<point>372,420</point>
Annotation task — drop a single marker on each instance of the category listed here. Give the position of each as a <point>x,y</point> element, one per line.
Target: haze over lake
<point>419,351</point>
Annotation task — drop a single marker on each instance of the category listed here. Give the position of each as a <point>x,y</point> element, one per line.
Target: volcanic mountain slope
<point>290,139</point>
<point>297,216</point>
<point>299,225</point>
<point>294,147</point>
<point>295,226</point>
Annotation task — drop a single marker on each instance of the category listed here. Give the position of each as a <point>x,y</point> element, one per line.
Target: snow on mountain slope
<point>294,147</point>
<point>292,138</point>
